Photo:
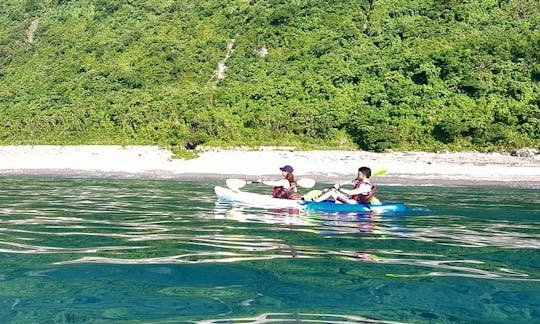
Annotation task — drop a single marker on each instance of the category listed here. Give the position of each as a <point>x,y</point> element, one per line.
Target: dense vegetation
<point>372,74</point>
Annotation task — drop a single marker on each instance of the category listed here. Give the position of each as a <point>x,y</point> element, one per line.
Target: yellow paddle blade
<point>312,194</point>
<point>379,172</point>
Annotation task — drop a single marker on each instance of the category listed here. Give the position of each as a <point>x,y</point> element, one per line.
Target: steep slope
<point>384,74</point>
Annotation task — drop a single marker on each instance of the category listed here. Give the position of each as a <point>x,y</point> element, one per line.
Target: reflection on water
<point>286,216</point>
<point>299,317</point>
<point>48,225</point>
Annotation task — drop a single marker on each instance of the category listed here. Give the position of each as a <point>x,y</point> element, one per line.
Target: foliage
<point>181,153</point>
<point>377,74</point>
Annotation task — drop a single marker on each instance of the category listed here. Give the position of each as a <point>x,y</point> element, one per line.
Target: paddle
<point>379,172</point>
<point>236,184</point>
<point>306,183</point>
<point>312,194</point>
<point>316,193</point>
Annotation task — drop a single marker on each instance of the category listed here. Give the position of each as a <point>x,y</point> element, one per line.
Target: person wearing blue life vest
<point>286,187</point>
<point>363,191</point>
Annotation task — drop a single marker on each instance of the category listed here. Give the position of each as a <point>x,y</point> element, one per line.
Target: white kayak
<point>254,199</point>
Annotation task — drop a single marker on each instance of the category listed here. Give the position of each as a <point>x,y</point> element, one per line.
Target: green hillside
<point>371,74</point>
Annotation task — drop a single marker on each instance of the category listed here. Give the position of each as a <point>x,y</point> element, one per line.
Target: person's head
<point>287,172</point>
<point>364,173</point>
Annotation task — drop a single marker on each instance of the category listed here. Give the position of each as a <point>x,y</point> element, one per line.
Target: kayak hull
<point>254,199</point>
<point>330,206</point>
<point>266,201</point>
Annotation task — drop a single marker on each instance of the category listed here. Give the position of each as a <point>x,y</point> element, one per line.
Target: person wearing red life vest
<point>286,187</point>
<point>363,191</point>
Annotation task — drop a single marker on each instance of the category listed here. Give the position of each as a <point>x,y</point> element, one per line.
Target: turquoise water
<point>142,251</point>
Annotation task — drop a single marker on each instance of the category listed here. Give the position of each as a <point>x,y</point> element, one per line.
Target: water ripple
<point>123,223</point>
<point>488,234</point>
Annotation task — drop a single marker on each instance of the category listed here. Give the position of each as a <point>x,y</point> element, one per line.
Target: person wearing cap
<point>363,191</point>
<point>286,187</point>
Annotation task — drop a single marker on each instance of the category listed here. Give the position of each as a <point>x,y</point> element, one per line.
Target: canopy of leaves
<point>370,74</point>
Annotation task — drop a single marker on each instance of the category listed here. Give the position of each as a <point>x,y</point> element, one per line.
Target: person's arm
<point>279,183</point>
<point>363,189</point>
<point>339,185</point>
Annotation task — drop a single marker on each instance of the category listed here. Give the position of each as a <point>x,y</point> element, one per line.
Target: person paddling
<point>286,187</point>
<point>363,191</point>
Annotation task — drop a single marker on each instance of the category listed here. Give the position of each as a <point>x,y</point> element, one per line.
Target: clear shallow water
<point>140,251</point>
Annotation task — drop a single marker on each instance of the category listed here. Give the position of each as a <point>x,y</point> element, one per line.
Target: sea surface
<point>82,250</point>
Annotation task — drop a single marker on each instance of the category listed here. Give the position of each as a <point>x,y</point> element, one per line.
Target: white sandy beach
<point>404,168</point>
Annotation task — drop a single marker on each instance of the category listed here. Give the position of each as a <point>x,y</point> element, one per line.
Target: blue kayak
<point>330,206</point>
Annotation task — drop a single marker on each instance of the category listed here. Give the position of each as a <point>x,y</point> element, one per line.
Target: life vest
<point>290,193</point>
<point>368,197</point>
